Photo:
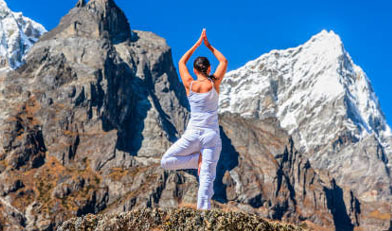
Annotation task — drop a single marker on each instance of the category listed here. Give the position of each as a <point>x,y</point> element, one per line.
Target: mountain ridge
<point>338,89</point>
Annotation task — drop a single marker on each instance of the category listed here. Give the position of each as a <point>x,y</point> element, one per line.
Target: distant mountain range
<point>18,33</point>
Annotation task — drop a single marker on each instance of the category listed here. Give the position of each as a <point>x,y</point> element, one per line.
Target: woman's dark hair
<point>201,64</point>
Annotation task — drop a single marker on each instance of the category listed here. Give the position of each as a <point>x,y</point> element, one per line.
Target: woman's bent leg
<point>184,153</point>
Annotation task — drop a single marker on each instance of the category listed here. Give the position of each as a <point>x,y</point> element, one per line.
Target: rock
<point>175,219</point>
<point>81,3</point>
<point>262,168</point>
<point>96,19</point>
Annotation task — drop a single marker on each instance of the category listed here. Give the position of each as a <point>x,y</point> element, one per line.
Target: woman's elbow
<point>181,61</point>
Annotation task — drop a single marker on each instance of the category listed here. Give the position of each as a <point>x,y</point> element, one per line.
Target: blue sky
<point>244,30</point>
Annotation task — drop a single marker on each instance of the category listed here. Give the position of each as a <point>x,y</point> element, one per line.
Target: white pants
<point>184,154</point>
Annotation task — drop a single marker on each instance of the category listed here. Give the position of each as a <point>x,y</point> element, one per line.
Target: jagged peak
<point>96,19</point>
<point>4,9</point>
<point>325,34</point>
<point>102,2</point>
<point>326,40</point>
<point>324,43</point>
<point>81,3</point>
<point>100,5</point>
<point>3,4</point>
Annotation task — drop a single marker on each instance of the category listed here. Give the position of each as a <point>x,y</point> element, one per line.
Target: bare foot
<point>199,164</point>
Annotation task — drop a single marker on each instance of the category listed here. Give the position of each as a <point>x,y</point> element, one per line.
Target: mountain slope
<point>326,103</point>
<point>18,33</point>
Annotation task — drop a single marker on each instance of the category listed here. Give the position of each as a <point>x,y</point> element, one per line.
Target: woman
<point>200,145</point>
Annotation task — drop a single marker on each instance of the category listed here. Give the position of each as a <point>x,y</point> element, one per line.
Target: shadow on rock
<point>336,204</point>
<point>227,161</point>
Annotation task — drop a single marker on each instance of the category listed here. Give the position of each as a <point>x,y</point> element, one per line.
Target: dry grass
<point>379,215</point>
<point>187,205</point>
<point>39,184</point>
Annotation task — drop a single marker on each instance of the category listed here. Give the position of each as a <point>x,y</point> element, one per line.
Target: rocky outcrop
<point>175,219</point>
<point>99,19</point>
<point>263,172</point>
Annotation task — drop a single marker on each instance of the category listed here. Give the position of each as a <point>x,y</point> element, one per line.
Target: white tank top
<point>204,108</point>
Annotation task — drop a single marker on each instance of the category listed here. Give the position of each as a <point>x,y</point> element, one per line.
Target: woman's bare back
<point>202,86</point>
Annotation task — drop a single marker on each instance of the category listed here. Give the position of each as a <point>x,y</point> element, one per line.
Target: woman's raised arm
<point>184,73</point>
<point>222,67</point>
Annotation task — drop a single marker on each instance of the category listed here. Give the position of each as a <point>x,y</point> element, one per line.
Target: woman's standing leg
<point>184,153</point>
<point>210,157</point>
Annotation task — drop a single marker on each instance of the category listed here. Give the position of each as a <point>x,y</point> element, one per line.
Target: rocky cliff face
<point>86,119</point>
<point>18,33</point>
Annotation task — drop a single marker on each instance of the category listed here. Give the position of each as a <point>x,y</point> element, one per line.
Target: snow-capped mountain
<point>18,33</point>
<point>324,101</point>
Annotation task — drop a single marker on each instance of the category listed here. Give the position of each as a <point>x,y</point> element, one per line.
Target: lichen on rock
<point>175,219</point>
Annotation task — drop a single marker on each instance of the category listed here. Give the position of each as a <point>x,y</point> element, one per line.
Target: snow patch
<point>17,36</point>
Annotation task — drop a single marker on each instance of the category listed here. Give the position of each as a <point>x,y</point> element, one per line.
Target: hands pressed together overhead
<point>203,37</point>
<point>220,70</point>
